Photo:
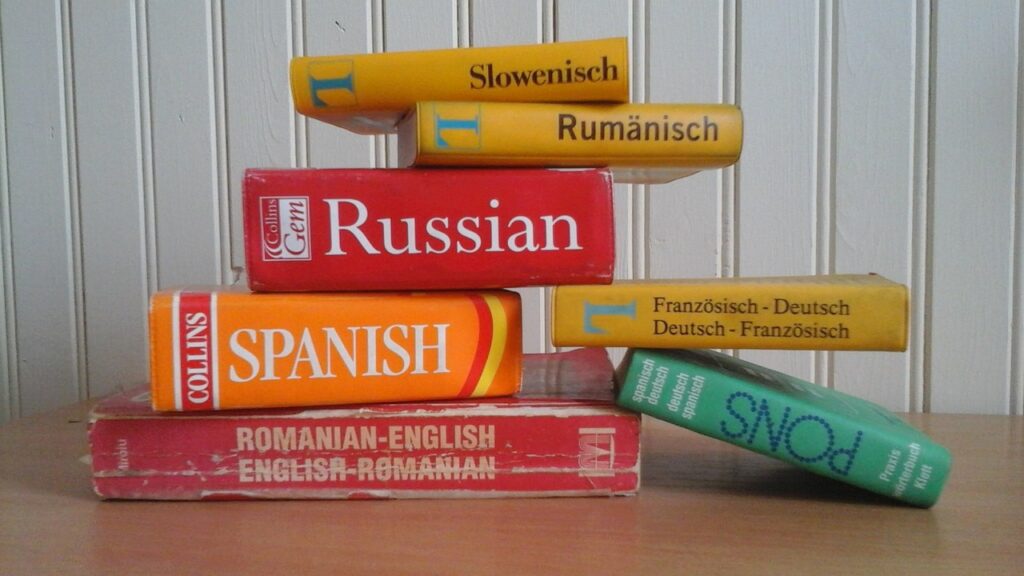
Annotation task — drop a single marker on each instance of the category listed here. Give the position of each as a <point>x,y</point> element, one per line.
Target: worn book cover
<point>638,142</point>
<point>561,436</point>
<point>369,93</point>
<point>828,312</point>
<point>820,429</point>
<point>355,229</point>
<point>221,349</point>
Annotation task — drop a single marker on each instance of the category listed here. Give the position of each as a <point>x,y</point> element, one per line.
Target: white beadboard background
<point>880,136</point>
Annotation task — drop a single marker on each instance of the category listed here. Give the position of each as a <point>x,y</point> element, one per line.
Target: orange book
<point>223,349</point>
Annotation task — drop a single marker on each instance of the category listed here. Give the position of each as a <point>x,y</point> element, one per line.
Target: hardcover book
<point>830,312</point>
<point>639,142</point>
<point>351,230</point>
<point>817,428</point>
<point>561,436</point>
<point>221,349</point>
<point>369,93</point>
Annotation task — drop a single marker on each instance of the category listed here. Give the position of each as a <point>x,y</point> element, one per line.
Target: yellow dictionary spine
<point>369,93</point>
<point>639,142</point>
<point>839,312</point>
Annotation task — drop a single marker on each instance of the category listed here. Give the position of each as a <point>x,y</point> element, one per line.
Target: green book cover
<point>817,428</point>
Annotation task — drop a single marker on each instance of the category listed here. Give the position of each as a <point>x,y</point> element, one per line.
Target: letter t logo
<point>331,83</point>
<point>457,127</point>
<point>591,310</point>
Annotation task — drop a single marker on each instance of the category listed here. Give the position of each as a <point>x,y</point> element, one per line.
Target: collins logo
<point>194,330</point>
<point>284,227</point>
<point>332,83</point>
<point>457,127</point>
<point>597,452</point>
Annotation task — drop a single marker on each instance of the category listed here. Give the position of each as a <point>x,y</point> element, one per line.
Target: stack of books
<point>377,353</point>
<point>667,376</point>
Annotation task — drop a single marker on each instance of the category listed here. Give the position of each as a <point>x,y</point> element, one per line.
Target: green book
<point>819,429</point>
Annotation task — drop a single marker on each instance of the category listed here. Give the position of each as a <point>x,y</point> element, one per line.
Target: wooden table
<point>705,508</point>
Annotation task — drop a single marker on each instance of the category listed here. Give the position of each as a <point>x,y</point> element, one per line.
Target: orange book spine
<point>215,350</point>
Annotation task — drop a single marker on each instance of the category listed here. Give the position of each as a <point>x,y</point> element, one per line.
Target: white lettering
<point>391,350</point>
<point>337,228</point>
<point>408,235</point>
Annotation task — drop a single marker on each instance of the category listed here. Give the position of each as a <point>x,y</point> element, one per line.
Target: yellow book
<point>369,93</point>
<point>836,312</point>
<point>640,142</point>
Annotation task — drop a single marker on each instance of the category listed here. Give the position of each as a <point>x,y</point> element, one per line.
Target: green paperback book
<point>817,428</point>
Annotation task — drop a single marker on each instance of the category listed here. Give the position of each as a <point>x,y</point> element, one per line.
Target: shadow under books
<point>731,470</point>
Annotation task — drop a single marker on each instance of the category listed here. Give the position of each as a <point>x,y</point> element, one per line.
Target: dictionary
<point>822,430</point>
<point>401,229</point>
<point>642,143</point>
<point>827,312</point>
<point>369,93</point>
<point>562,435</point>
<point>222,348</point>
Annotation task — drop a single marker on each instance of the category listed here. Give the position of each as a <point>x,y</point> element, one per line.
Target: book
<point>219,349</point>
<point>562,435</point>
<point>649,143</point>
<point>829,312</point>
<point>369,93</point>
<point>822,430</point>
<point>353,229</point>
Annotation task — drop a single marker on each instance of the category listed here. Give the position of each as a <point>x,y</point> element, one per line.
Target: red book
<point>562,436</point>
<point>355,229</point>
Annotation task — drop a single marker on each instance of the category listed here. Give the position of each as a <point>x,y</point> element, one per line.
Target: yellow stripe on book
<point>498,338</point>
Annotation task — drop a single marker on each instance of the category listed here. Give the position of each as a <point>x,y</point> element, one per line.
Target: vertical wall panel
<point>185,171</point>
<point>920,225</point>
<point>973,172</point>
<point>1017,287</point>
<point>218,128</point>
<point>686,65</point>
<point>332,27</point>
<point>420,25</point>
<point>145,114</point>
<point>8,350</point>
<point>777,178</point>
<point>498,23</point>
<point>113,238</point>
<point>259,109</point>
<point>40,204</point>
<point>874,174</point>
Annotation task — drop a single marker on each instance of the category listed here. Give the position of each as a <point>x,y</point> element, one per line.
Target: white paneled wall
<point>880,136</point>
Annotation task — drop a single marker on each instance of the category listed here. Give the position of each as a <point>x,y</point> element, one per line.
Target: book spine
<point>220,350</point>
<point>906,466</point>
<point>683,136</point>
<point>404,456</point>
<point>349,230</point>
<point>368,93</point>
<point>772,315</point>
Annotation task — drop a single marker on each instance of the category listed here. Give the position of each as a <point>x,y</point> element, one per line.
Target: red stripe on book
<point>483,346</point>
<point>195,343</point>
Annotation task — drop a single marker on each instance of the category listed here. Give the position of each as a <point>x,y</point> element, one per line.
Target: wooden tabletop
<point>705,508</point>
